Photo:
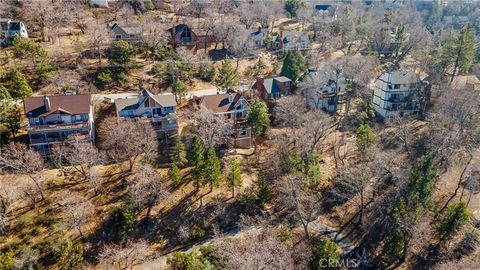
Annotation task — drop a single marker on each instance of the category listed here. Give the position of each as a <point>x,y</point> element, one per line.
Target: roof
<point>258,34</point>
<point>165,100</point>
<point>71,104</point>
<point>294,36</point>
<point>399,77</point>
<point>270,86</point>
<point>129,30</point>
<point>179,28</point>
<point>322,7</point>
<point>219,103</point>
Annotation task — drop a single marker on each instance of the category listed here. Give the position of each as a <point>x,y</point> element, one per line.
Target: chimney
<point>46,102</point>
<point>230,97</point>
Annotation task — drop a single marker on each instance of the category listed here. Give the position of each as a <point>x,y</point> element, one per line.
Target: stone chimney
<point>46,102</point>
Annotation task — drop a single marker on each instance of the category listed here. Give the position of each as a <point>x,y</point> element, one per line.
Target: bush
<point>198,232</point>
<point>148,4</point>
<point>324,251</point>
<point>68,255</point>
<point>6,260</point>
<point>46,220</point>
<point>23,222</point>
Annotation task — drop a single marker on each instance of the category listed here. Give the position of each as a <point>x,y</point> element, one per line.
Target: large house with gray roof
<point>159,109</point>
<point>272,88</point>
<point>396,93</point>
<point>53,118</point>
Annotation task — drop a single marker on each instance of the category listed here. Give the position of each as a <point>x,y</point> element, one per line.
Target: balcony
<point>159,123</point>
<point>58,127</point>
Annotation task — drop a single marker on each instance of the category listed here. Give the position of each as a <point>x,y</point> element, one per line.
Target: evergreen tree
<point>196,158</point>
<point>179,89</point>
<point>121,53</point>
<point>7,260</point>
<point>4,94</point>
<point>178,154</point>
<point>212,170</point>
<point>234,178</point>
<point>174,175</point>
<point>292,7</point>
<point>460,51</point>
<point>325,254</point>
<point>294,66</point>
<point>422,180</point>
<point>228,76</point>
<point>397,238</point>
<point>257,117</point>
<point>17,84</point>
<point>10,117</point>
<point>365,139</point>
<point>262,190</point>
<point>453,220</point>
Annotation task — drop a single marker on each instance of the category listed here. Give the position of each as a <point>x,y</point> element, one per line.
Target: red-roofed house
<point>52,118</point>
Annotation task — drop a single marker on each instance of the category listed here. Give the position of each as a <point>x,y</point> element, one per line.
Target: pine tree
<point>196,159</point>
<point>294,66</point>
<point>453,220</point>
<point>460,51</point>
<point>262,190</point>
<point>212,170</point>
<point>17,84</point>
<point>234,178</point>
<point>324,252</point>
<point>179,89</point>
<point>228,76</point>
<point>10,117</point>
<point>121,53</point>
<point>174,175</point>
<point>178,154</point>
<point>258,118</point>
<point>365,139</point>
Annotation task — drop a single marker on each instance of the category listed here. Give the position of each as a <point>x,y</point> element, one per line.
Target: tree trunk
<point>39,187</point>
<point>459,184</point>
<point>233,191</point>
<point>455,68</point>
<point>147,216</point>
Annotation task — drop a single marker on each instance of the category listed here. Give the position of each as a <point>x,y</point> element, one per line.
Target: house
<point>157,109</point>
<point>326,10</point>
<point>130,34</point>
<point>101,3</point>
<point>257,37</point>
<point>291,40</point>
<point>53,118</point>
<point>396,93</point>
<point>232,107</point>
<point>330,96</point>
<point>272,88</point>
<point>10,29</point>
<point>182,35</point>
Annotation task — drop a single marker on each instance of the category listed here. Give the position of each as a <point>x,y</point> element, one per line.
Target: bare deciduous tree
<point>147,189</point>
<point>18,158</point>
<point>77,210</point>
<point>80,154</point>
<point>128,140</point>
<point>301,202</point>
<point>257,250</point>
<point>123,256</point>
<point>99,39</point>
<point>212,129</point>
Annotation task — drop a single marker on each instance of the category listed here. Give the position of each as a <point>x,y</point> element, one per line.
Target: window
<point>78,117</point>
<point>147,102</point>
<point>118,36</point>
<point>396,86</point>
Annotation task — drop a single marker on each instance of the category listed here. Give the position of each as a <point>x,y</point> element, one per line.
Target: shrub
<point>46,220</point>
<point>6,260</point>
<point>148,4</point>
<point>198,232</point>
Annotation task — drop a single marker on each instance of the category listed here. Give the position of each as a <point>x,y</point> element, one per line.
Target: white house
<point>10,29</point>
<point>101,3</point>
<point>396,93</point>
